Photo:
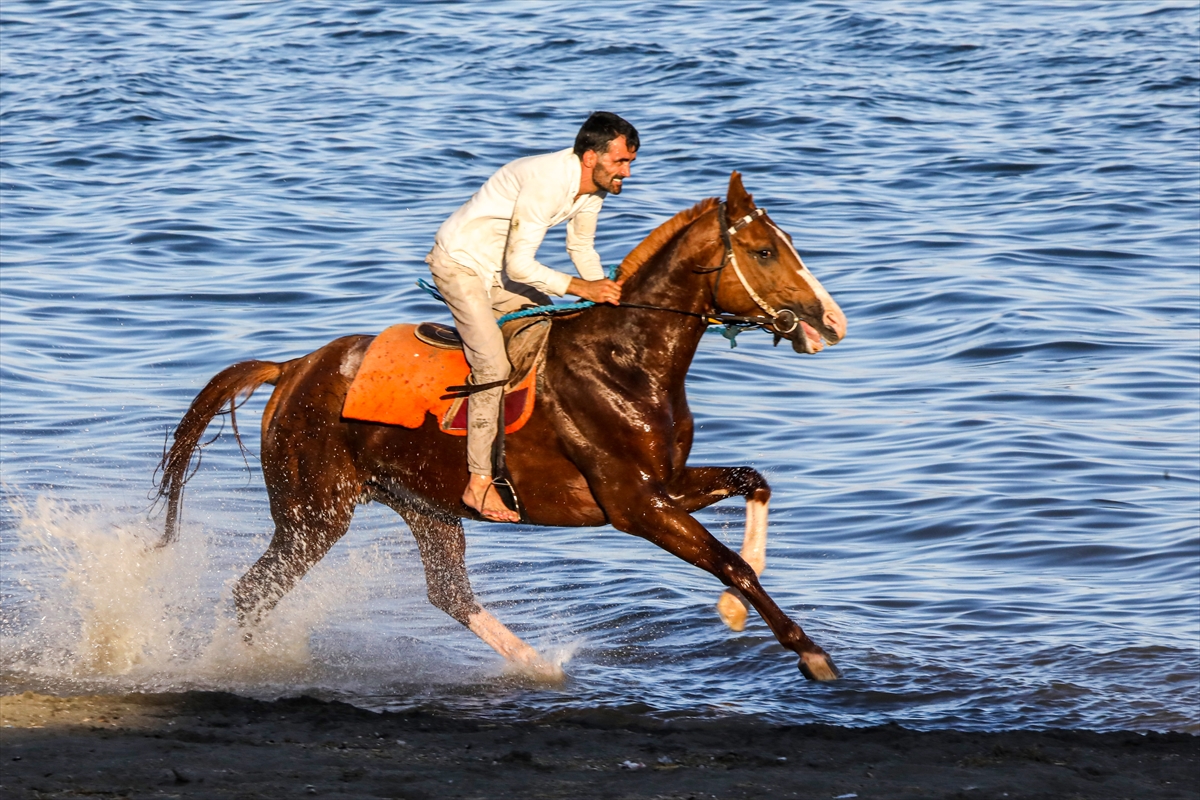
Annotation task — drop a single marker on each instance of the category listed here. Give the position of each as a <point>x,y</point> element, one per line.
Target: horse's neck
<point>651,346</point>
<point>665,341</point>
<point>674,278</point>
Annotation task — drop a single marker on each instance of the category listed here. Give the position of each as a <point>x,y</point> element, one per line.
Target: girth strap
<point>455,392</point>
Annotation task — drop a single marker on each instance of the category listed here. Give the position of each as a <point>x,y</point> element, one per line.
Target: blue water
<point>986,499</point>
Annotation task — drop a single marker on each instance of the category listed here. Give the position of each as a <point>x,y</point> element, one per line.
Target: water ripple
<point>984,499</point>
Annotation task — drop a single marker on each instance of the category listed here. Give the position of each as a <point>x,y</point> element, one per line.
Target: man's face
<point>612,166</point>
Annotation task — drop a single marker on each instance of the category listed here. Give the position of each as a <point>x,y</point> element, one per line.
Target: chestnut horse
<point>607,443</point>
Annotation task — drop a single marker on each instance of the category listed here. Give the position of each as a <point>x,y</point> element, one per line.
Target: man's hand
<point>601,291</point>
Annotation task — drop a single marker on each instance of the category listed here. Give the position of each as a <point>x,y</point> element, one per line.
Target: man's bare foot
<point>480,496</point>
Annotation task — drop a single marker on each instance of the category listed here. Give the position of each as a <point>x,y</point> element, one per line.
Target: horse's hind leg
<point>311,477</point>
<point>306,527</point>
<point>699,487</point>
<point>443,547</point>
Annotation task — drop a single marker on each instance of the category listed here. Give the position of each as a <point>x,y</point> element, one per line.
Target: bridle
<point>780,322</point>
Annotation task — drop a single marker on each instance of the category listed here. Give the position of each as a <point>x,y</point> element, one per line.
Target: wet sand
<point>203,744</point>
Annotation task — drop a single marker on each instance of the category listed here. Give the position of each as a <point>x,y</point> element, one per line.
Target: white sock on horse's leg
<point>754,541</point>
<point>514,650</point>
<point>731,607</point>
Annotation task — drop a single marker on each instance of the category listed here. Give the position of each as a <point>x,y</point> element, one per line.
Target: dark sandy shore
<point>217,745</point>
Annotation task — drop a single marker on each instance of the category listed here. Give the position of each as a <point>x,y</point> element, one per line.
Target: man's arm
<point>581,236</point>
<point>601,291</point>
<point>530,219</point>
<point>581,241</point>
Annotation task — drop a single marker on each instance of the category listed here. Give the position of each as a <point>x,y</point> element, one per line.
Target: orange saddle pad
<point>401,379</point>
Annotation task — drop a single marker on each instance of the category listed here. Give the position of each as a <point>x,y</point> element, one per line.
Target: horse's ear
<point>738,201</point>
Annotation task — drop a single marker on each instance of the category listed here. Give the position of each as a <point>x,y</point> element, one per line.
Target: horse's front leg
<point>695,488</point>
<point>655,516</point>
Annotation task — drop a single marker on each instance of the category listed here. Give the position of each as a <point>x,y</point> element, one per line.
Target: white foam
<point>92,605</point>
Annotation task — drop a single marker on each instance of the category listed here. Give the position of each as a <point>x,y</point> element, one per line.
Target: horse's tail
<point>230,387</point>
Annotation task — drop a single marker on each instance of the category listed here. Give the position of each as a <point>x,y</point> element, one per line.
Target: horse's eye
<point>764,255</point>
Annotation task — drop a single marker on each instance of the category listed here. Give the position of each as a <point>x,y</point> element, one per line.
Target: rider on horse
<point>483,262</point>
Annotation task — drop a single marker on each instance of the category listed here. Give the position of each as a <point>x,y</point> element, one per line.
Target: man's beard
<point>607,181</point>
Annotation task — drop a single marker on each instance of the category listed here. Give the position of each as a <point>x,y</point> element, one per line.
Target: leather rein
<point>779,322</point>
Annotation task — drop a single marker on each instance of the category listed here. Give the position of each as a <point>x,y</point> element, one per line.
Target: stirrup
<point>508,495</point>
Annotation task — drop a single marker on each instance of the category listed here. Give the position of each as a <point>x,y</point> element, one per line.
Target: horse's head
<point>764,275</point>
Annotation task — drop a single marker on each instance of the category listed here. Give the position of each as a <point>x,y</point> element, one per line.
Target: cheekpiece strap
<point>723,226</point>
<point>727,234</point>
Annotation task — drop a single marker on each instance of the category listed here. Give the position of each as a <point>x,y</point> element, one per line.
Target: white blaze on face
<point>828,305</point>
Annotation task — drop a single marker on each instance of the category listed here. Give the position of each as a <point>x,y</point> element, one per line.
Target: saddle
<point>409,370</point>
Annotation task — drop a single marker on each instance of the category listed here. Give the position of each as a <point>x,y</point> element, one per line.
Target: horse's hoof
<point>539,671</point>
<point>818,667</point>
<point>732,611</point>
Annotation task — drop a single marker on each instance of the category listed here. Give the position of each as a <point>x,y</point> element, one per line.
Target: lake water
<point>986,499</point>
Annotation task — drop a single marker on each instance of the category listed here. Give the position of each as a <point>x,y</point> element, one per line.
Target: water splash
<point>98,607</point>
<point>103,601</point>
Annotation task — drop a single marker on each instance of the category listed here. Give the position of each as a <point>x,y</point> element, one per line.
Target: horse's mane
<point>650,246</point>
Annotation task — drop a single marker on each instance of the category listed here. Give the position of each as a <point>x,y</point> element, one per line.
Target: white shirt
<point>500,228</point>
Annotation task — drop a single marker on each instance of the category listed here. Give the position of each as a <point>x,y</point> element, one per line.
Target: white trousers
<point>475,308</point>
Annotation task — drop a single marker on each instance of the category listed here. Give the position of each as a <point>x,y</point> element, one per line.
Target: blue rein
<point>729,331</point>
<point>534,311</point>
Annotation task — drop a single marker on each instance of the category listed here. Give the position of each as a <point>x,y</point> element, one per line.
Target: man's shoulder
<point>543,164</point>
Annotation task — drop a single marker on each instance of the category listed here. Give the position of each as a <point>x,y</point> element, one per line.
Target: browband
<point>744,221</point>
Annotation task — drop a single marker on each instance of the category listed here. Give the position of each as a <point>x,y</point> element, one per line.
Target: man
<point>483,262</point>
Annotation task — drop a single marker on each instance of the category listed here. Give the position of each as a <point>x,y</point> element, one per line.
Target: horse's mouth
<point>812,335</point>
<point>807,339</point>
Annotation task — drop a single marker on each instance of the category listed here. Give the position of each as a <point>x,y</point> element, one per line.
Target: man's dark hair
<point>600,129</point>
